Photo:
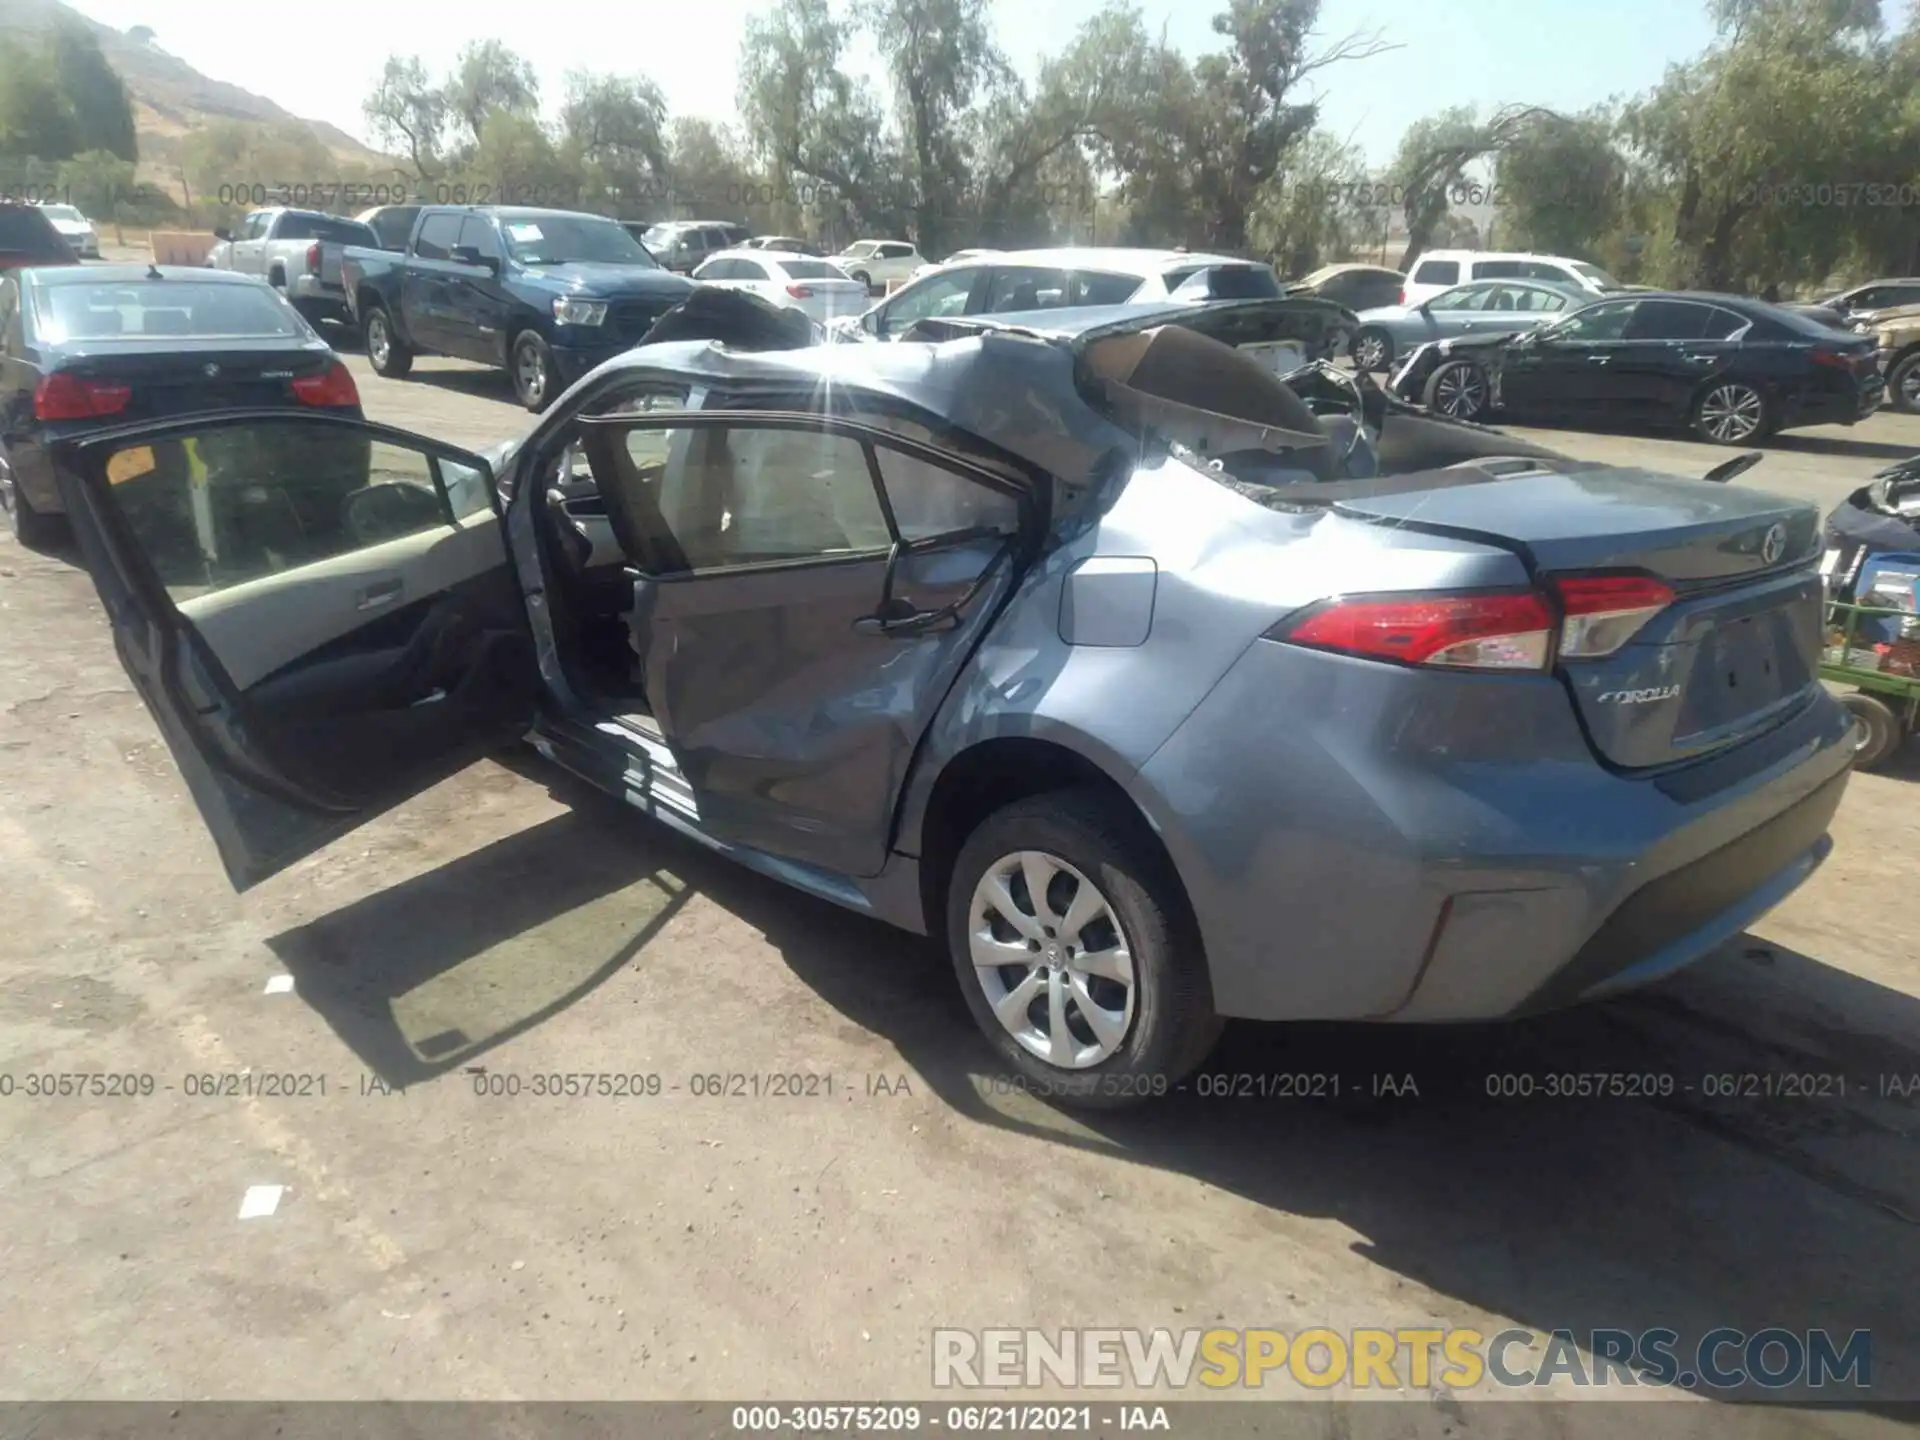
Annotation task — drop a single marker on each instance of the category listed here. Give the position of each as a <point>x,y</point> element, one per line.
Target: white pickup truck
<point>298,253</point>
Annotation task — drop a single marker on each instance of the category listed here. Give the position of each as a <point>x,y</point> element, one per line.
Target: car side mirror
<point>226,235</point>
<point>470,255</point>
<point>874,322</point>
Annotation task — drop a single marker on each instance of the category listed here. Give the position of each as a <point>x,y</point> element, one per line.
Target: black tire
<point>1881,731</point>
<point>864,278</point>
<point>1376,339</point>
<point>1459,390</point>
<point>530,364</point>
<point>385,353</point>
<point>1732,412</point>
<point>1173,1024</point>
<point>32,528</point>
<point>1903,383</point>
<point>278,280</point>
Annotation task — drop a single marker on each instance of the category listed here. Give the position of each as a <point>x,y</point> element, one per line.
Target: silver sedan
<point>1484,306</point>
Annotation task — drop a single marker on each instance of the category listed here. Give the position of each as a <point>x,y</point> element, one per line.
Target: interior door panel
<point>309,673</point>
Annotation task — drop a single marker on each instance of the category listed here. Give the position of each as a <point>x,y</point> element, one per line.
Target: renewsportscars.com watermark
<point>1370,1359</point>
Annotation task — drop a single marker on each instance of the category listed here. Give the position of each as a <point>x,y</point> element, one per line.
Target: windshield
<point>173,308</point>
<point>860,249</point>
<point>562,239</point>
<point>62,212</point>
<point>1597,275</point>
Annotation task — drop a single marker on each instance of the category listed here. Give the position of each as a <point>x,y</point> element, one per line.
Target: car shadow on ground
<point>1840,446</point>
<point>1748,1159</point>
<point>479,382</point>
<point>401,993</point>
<point>1837,446</point>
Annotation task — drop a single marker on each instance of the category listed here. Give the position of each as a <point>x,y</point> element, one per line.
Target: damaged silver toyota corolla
<point>1159,689</point>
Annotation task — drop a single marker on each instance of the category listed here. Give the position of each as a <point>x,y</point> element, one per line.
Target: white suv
<point>1438,270</point>
<point>1014,281</point>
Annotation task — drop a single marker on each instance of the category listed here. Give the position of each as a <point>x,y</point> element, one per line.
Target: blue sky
<point>319,62</point>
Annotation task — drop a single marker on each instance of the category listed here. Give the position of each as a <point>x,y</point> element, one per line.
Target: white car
<point>1012,281</point>
<point>958,257</point>
<point>818,287</point>
<point>75,229</point>
<point>1438,270</point>
<point>874,263</point>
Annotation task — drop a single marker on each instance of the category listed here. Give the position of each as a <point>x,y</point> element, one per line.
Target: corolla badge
<point>1638,697</point>
<point>1774,546</point>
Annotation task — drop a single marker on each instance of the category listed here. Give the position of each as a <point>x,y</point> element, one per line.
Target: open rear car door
<point>319,612</point>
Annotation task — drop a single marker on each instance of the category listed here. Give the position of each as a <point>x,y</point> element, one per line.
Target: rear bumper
<point>312,290</point>
<point>1387,844</point>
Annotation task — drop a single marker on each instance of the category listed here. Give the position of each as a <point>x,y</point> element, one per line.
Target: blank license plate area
<point>1744,666</point>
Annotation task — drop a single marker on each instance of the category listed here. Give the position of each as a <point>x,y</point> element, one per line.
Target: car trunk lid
<point>1735,650</point>
<point>166,381</point>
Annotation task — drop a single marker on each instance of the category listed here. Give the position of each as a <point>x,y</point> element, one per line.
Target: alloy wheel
<point>379,343</point>
<point>1052,959</point>
<point>1370,352</point>
<point>1730,413</point>
<point>1461,392</point>
<point>1910,388</point>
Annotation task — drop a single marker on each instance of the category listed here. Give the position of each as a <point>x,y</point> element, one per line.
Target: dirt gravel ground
<point>437,1242</point>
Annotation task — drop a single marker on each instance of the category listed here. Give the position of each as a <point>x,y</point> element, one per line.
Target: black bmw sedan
<point>1731,369</point>
<point>85,347</point>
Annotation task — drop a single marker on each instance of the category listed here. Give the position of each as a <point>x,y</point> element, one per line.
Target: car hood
<point>609,282</point>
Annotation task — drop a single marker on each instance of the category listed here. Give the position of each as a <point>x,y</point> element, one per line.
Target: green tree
<point>488,77</point>
<point>102,114</point>
<point>407,110</point>
<point>1560,184</point>
<point>613,137</point>
<point>99,182</point>
<point>36,118</point>
<point>1310,215</point>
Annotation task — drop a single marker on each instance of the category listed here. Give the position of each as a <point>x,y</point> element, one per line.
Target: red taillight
<point>313,258</point>
<point>1603,612</point>
<point>1403,296</point>
<point>800,292</point>
<point>62,396</point>
<point>1505,630</point>
<point>332,386</point>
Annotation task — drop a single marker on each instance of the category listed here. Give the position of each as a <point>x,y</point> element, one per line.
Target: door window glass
<point>438,235</point>
<point>1467,297</point>
<point>1436,272</point>
<point>256,225</point>
<point>1541,270</point>
<point>1534,300</point>
<point>1091,288</point>
<point>1498,270</point>
<point>1596,322</point>
<point>1723,324</point>
<point>480,235</point>
<point>930,500</point>
<point>241,503</point>
<point>1015,288</point>
<point>1667,320</point>
<point>937,295</point>
<point>712,497</point>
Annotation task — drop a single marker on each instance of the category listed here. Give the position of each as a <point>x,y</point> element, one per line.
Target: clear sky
<point>320,61</point>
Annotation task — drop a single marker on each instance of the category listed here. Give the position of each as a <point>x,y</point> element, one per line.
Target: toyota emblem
<point>1774,546</point>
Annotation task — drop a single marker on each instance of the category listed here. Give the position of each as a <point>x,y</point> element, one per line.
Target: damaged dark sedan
<point>1159,688</point>
<point>1732,370</point>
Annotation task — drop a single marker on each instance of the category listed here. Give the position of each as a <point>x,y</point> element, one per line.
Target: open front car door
<point>320,613</point>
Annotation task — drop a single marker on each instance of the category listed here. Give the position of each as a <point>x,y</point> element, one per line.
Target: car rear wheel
<point>864,278</point>
<point>1903,383</point>
<point>532,362</point>
<point>1731,413</point>
<point>384,351</point>
<point>1459,390</point>
<point>34,530</point>
<point>1880,730</point>
<point>1076,952</point>
<point>1372,350</point>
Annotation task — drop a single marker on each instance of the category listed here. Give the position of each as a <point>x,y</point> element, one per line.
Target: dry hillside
<point>171,98</point>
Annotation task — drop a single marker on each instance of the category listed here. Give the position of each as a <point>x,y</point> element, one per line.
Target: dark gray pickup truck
<point>544,294</point>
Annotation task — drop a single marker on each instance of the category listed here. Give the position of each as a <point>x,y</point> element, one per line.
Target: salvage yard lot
<point>442,1237</point>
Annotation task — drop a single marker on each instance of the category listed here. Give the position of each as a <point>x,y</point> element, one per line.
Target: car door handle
<point>1599,359</point>
<point>1699,359</point>
<point>375,596</point>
